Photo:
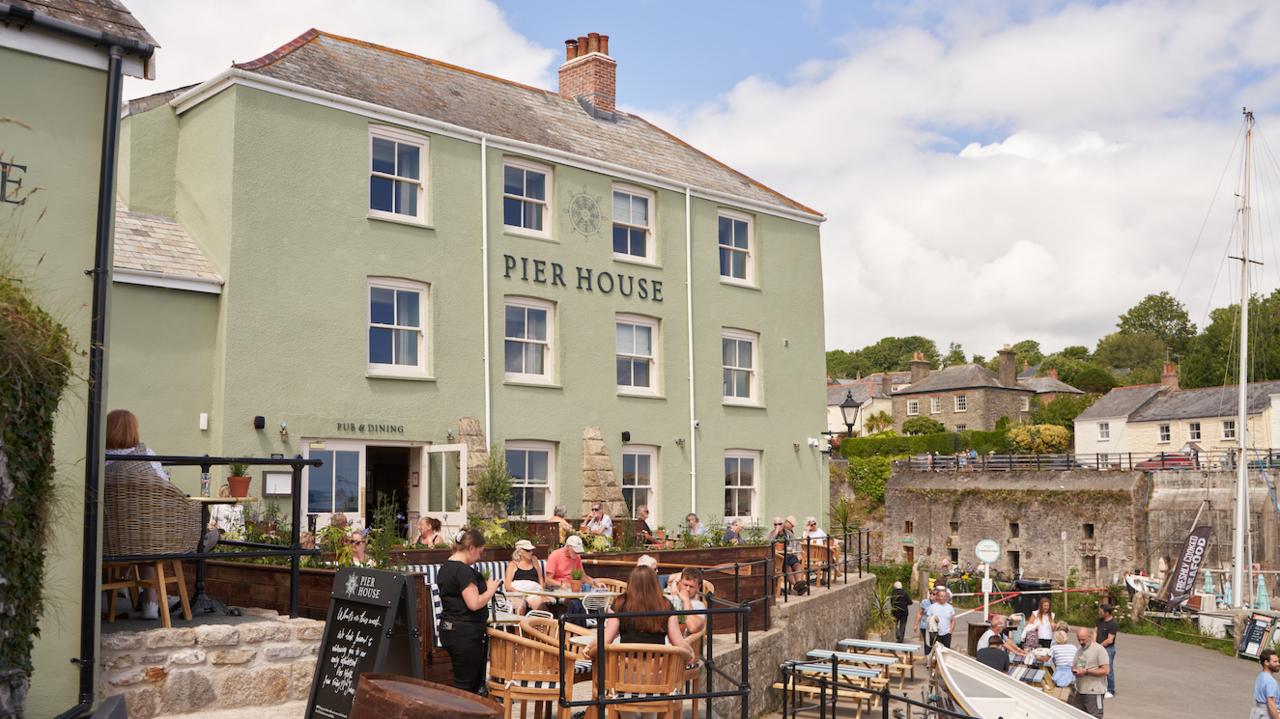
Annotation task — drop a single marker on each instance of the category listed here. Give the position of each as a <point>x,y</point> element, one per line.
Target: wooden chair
<point>779,575</point>
<point>613,585</point>
<point>649,674</point>
<point>524,669</point>
<point>547,630</point>
<point>693,674</point>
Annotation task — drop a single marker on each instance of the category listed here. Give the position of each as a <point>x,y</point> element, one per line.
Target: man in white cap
<point>647,561</point>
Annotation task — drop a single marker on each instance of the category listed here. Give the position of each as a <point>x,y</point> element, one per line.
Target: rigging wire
<point>1200,235</point>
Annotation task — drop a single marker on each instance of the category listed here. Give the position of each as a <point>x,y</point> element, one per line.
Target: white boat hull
<point>978,690</point>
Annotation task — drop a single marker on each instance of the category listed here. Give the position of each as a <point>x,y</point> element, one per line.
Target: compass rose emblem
<point>585,214</point>
<point>352,583</point>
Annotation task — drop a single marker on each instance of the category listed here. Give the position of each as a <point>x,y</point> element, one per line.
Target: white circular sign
<point>988,551</point>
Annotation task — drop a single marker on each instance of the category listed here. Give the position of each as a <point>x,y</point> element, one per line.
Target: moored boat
<point>969,686</point>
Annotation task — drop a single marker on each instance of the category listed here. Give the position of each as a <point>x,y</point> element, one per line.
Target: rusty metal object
<point>390,696</point>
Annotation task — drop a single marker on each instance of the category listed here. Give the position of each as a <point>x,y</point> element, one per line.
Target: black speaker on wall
<point>259,422</point>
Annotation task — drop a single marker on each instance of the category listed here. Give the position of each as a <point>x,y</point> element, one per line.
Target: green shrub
<point>493,485</point>
<point>923,425</point>
<point>868,476</point>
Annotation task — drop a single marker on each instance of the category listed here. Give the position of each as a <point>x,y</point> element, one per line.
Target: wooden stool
<point>114,582</point>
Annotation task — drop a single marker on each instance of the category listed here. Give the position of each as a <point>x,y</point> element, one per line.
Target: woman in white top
<point>1041,622</point>
<point>811,529</point>
<point>122,438</point>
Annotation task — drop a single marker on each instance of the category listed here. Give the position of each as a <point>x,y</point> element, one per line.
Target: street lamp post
<point>849,412</point>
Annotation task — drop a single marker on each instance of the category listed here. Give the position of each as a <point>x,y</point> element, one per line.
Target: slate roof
<point>862,391</point>
<point>1121,401</point>
<point>1048,384</point>
<point>157,244</point>
<point>102,15</point>
<point>960,376</point>
<point>447,93</point>
<point>1029,371</point>
<point>1207,402</point>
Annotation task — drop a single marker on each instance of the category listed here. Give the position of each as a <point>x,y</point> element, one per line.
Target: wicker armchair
<point>146,515</point>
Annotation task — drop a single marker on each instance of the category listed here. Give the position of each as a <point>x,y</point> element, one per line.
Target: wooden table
<point>565,594</point>
<point>202,603</point>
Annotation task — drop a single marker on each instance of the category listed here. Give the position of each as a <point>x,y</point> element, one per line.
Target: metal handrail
<point>1099,461</point>
<point>791,674</point>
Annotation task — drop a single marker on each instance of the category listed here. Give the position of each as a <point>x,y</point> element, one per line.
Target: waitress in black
<point>464,599</point>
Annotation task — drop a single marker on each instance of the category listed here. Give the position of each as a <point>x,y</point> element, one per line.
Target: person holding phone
<point>464,598</point>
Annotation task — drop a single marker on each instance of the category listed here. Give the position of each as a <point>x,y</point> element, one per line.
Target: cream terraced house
<point>363,247</point>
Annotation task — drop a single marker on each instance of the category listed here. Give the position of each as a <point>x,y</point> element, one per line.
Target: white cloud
<point>470,33</point>
<point>990,179</point>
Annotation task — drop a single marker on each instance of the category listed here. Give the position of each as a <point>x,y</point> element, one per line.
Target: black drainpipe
<point>117,47</point>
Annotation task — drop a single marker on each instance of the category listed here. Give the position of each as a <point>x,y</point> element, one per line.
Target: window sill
<point>401,221</point>
<point>524,383</point>
<point>744,405</point>
<point>739,284</point>
<point>517,232</point>
<point>630,260</point>
<point>641,395</point>
<point>410,377</point>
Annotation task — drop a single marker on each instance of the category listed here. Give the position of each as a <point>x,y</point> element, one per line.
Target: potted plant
<point>238,479</point>
<point>575,580</point>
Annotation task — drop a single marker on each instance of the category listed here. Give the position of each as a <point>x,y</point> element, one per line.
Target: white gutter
<point>484,280</point>
<point>233,76</point>
<point>688,288</point>
<point>149,278</point>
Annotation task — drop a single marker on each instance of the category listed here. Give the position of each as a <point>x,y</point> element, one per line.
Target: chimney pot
<point>1053,373</point>
<point>582,45</point>
<point>589,75</point>
<point>604,44</point>
<point>1169,378</point>
<point>593,42</point>
<point>919,368</point>
<point>570,49</point>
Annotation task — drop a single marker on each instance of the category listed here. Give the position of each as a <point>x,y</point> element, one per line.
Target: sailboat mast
<point>1242,466</point>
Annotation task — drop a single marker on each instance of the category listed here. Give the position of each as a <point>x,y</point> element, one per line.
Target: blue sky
<point>991,171</point>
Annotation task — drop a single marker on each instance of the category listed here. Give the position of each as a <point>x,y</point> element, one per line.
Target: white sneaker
<point>1109,695</point>
<point>151,610</point>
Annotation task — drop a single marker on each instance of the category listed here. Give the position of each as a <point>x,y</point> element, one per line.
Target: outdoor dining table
<point>905,652</point>
<point>566,594</point>
<point>891,664</point>
<point>504,619</point>
<point>1029,669</point>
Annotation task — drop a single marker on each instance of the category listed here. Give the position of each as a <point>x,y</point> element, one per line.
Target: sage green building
<point>363,248</point>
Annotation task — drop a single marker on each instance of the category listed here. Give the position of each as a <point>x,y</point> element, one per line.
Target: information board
<point>1256,635</point>
<point>372,626</point>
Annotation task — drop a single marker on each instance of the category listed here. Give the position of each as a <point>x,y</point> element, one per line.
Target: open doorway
<point>387,472</point>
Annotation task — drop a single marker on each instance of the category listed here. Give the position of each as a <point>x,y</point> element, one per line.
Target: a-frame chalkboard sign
<point>372,627</point>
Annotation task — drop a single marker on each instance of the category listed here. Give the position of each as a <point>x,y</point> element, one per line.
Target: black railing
<point>828,693</point>
<point>1101,461</point>
<point>855,546</point>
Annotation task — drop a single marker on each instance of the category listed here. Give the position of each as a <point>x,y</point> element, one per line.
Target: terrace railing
<point>1102,461</point>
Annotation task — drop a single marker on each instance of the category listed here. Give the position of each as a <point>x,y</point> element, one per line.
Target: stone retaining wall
<point>210,667</point>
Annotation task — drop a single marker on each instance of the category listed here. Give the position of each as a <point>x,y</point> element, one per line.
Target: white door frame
<point>451,521</point>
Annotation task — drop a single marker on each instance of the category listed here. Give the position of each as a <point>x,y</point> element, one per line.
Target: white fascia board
<point>235,76</point>
<point>148,278</point>
<point>37,42</point>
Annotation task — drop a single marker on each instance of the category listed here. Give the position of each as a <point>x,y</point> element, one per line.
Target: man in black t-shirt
<point>1107,630</point>
<point>993,655</point>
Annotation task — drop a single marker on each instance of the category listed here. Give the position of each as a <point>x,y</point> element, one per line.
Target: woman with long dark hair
<point>643,595</point>
<point>464,598</point>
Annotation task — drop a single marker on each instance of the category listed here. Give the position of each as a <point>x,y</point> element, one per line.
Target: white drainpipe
<point>484,275</point>
<point>688,288</point>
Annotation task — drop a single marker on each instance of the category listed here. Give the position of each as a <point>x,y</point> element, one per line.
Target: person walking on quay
<point>1091,671</point>
<point>901,602</point>
<point>1266,693</point>
<point>1107,630</point>
<point>922,618</point>
<point>945,615</point>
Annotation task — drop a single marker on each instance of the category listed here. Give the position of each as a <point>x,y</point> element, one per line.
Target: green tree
<point>846,365</point>
<point>1039,439</point>
<point>1162,316</point>
<point>978,359</point>
<point>868,476</point>
<point>1028,351</point>
<point>1075,352</point>
<point>493,485</point>
<point>922,425</point>
<point>1131,351</point>
<point>1063,410</point>
<point>1213,357</point>
<point>955,356</point>
<point>1084,376</point>
<point>878,422</point>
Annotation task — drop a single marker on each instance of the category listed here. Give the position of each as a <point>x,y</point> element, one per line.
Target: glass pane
<point>384,156</point>
<point>537,467</point>
<point>728,383</point>
<point>642,500</point>
<point>730,467</point>
<point>729,504</point>
<point>406,198</point>
<point>382,307</point>
<point>535,185</point>
<point>744,354</point>
<point>624,372</point>
<point>533,359</point>
<point>621,207</point>
<point>320,483</point>
<point>516,463</point>
<point>512,182</point>
<point>743,386</point>
<point>726,232</point>
<point>640,211</point>
<point>407,347</point>
<point>638,243</point>
<point>746,471</point>
<point>629,496</point>
<point>643,340</point>
<point>511,210</point>
<point>740,265</point>
<point>740,234</point>
<point>380,194</point>
<point>640,373</point>
<point>532,216</point>
<point>514,357</point>
<point>620,240</point>
<point>381,345</point>
<point>515,322</point>
<point>642,470</point>
<point>346,483</point>
<point>628,469</point>
<point>435,469</point>
<point>407,309</point>
<point>452,482</point>
<point>728,352</point>
<point>625,336</point>
<point>744,503</point>
<point>537,502</point>
<point>537,326</point>
<point>407,161</point>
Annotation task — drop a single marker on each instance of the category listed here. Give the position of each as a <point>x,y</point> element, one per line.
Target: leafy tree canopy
<point>1130,351</point>
<point>955,356</point>
<point>1028,351</point>
<point>891,354</point>
<point>1064,410</point>
<point>1213,358</point>
<point>1162,316</point>
<point>1075,352</point>
<point>922,425</point>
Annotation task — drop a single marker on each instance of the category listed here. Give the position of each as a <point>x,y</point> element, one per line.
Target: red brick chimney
<point>1053,373</point>
<point>1008,370</point>
<point>1169,378</point>
<point>588,74</point>
<point>919,368</point>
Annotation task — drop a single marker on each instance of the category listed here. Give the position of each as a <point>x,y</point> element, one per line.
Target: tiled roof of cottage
<point>1048,384</point>
<point>483,103</point>
<point>157,244</point>
<point>1207,402</point>
<point>960,376</point>
<point>862,391</point>
<point>102,15</point>
<point>1121,401</point>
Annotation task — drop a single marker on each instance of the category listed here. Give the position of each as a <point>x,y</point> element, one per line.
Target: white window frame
<point>1163,434</point>
<point>913,406</point>
<point>935,405</point>
<point>652,324</point>
<point>650,255</point>
<point>652,453</point>
<point>1026,404</point>
<point>403,137</point>
<point>1193,431</point>
<point>547,204</point>
<point>1104,431</point>
<point>750,279</point>
<point>549,356</point>
<point>1228,429</point>
<point>754,385</point>
<point>424,296</point>
<point>757,480</point>
<point>538,446</point>
<point>961,403</point>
